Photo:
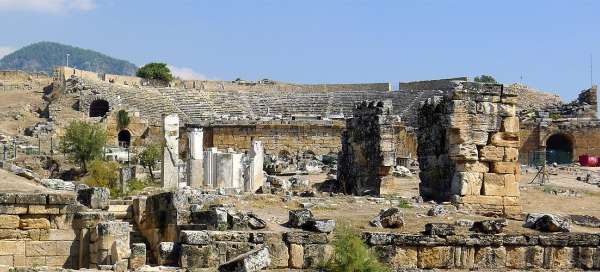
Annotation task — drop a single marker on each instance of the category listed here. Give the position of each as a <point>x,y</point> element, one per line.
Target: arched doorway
<point>124,138</point>
<point>99,108</point>
<point>559,149</point>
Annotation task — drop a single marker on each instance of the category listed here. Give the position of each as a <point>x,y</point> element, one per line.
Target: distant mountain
<point>42,56</point>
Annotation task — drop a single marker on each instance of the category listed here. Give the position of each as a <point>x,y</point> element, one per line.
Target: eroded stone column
<point>169,173</point>
<point>253,178</point>
<point>195,167</point>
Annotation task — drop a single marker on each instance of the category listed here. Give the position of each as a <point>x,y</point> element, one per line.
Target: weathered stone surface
<point>62,199</point>
<point>39,199</point>
<point>167,253</point>
<point>437,210</point>
<point>297,218</point>
<point>198,256</point>
<point>435,257</point>
<point>254,260</point>
<point>94,198</point>
<point>524,257</point>
<point>315,254</point>
<point>504,167</point>
<point>194,237</point>
<point>119,251</point>
<point>585,220</point>
<point>319,225</point>
<point>474,167</point>
<point>439,229</point>
<point>296,256</point>
<point>466,183</point>
<point>34,223</point>
<point>493,184</point>
<point>303,237</point>
<point>138,256</point>
<point>388,218</point>
<point>9,221</point>
<point>490,153</point>
<point>463,152</point>
<point>511,154</point>
<point>506,139</point>
<point>490,257</point>
<point>510,124</point>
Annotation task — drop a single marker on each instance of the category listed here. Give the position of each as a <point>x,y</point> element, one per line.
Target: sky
<point>543,44</point>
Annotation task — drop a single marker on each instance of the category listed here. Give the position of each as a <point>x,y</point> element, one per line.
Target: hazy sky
<point>548,43</point>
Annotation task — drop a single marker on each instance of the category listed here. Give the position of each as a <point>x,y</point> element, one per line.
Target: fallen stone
<point>251,261</point>
<point>297,218</point>
<point>94,198</point>
<point>547,223</point>
<point>388,218</point>
<point>490,226</point>
<point>254,222</point>
<point>437,210</point>
<point>585,220</point>
<point>320,225</point>
<point>464,223</point>
<point>439,229</point>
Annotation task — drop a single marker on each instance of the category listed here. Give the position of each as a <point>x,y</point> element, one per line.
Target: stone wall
<point>468,149</point>
<point>436,84</point>
<point>305,250</point>
<point>123,80</point>
<point>368,151</point>
<point>36,230</point>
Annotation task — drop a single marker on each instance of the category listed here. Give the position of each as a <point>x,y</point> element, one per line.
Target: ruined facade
<point>468,149</point>
<point>367,155</point>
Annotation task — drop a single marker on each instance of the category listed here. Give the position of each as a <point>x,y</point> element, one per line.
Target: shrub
<point>123,119</point>
<point>84,142</point>
<point>404,204</point>
<point>485,79</point>
<point>351,254</point>
<point>136,185</point>
<point>104,174</point>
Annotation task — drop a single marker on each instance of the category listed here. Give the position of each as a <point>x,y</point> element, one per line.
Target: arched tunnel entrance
<point>99,108</point>
<point>559,149</point>
<point>124,138</point>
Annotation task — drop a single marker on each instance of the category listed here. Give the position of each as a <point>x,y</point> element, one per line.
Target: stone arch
<point>99,108</point>
<point>124,138</point>
<point>559,148</point>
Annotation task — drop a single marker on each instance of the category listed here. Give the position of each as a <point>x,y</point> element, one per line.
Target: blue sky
<point>548,43</point>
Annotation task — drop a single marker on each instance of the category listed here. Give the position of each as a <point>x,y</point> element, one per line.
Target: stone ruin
<point>367,155</point>
<point>468,149</point>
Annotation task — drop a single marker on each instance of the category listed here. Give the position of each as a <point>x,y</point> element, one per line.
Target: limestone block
<point>315,254</point>
<point>490,257</point>
<point>304,237</point>
<point>62,235</point>
<point>504,167</point>
<point>398,257</point>
<point>43,209</point>
<point>472,166</point>
<point>507,110</point>
<point>119,251</point>
<point>558,257</point>
<point>511,185</point>
<point>19,260</point>
<point>62,199</point>
<point>94,198</point>
<point>488,108</point>
<point>278,250</point>
<point>35,261</point>
<point>22,198</point>
<point>511,154</point>
<point>12,248</point>
<point>481,199</point>
<point>464,257</point>
<point>435,257</point>
<point>506,139</point>
<point>466,183</point>
<point>7,198</point>
<point>490,153</point>
<point>34,223</point>
<point>59,261</point>
<point>493,184</point>
<point>9,221</point>
<point>485,122</point>
<point>6,261</point>
<point>13,209</point>
<point>194,237</point>
<point>585,259</point>
<point>40,248</point>
<point>296,256</point>
<point>67,248</point>
<point>38,234</point>
<point>510,124</point>
<point>463,152</point>
<point>138,256</point>
<point>254,260</point>
<point>468,136</point>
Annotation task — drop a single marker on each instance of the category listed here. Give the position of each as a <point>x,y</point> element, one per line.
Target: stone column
<point>254,172</point>
<point>169,176</point>
<point>209,168</point>
<point>195,171</point>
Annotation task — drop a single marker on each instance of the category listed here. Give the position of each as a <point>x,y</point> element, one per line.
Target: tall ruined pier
<point>468,148</point>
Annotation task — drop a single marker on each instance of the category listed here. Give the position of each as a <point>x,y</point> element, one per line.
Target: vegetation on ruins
<point>123,119</point>
<point>404,204</point>
<point>485,79</point>
<point>352,254</point>
<point>43,56</point>
<point>149,157</point>
<point>84,142</point>
<point>103,174</point>
<point>155,71</point>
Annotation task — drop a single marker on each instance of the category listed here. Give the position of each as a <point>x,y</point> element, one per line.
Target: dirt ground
<point>18,110</point>
<point>582,199</point>
<point>10,182</point>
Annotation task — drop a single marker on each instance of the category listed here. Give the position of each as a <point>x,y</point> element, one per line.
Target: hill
<point>42,56</point>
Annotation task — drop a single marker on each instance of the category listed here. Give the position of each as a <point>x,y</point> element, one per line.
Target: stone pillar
<point>195,171</point>
<point>468,149</point>
<point>169,173</point>
<point>209,168</point>
<point>253,178</point>
<point>229,171</point>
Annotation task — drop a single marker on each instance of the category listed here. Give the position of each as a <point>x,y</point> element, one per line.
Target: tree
<point>83,141</point>
<point>351,254</point>
<point>149,157</point>
<point>485,79</point>
<point>155,71</point>
<point>104,174</point>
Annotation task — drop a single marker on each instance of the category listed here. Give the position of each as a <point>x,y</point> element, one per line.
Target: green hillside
<point>42,56</point>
